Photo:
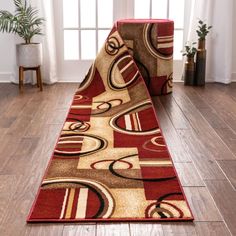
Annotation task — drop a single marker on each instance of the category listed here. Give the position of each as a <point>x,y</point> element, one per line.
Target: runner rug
<point>111,162</point>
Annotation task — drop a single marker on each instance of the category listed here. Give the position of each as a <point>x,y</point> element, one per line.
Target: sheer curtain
<point>49,67</point>
<point>219,44</point>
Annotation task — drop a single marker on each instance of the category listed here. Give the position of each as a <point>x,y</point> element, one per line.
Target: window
<point>164,9</point>
<point>86,24</point>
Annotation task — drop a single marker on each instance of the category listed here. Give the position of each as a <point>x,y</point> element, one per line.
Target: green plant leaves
<point>189,49</point>
<point>200,22</point>
<point>18,3</point>
<point>25,22</point>
<point>202,30</point>
<point>7,22</point>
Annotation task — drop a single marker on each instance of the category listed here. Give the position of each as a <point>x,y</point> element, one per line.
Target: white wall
<point>7,50</point>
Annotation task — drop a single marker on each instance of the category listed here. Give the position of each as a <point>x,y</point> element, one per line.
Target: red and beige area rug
<point>111,162</point>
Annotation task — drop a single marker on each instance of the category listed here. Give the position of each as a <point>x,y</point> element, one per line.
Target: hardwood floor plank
<point>207,167</point>
<point>17,104</point>
<point>6,122</point>
<point>43,115</point>
<point>24,117</point>
<point>3,132</point>
<point>35,158</point>
<point>38,124</point>
<point>8,147</point>
<point>176,148</point>
<point>150,229</point>
<point>66,92</point>
<point>14,220</point>
<point>190,120</point>
<point>228,90</point>
<point>44,230</point>
<point>207,134</point>
<point>229,168</point>
<point>202,204</point>
<point>195,99</point>
<point>224,131</point>
<point>58,116</point>
<point>113,229</point>
<point>223,103</point>
<point>188,175</point>
<point>176,115</point>
<point>79,230</point>
<point>17,163</point>
<point>212,118</point>
<point>48,138</point>
<point>8,184</point>
<point>211,229</point>
<point>19,127</point>
<point>229,138</point>
<point>181,228</point>
<point>9,96</point>
<point>29,183</point>
<point>225,197</point>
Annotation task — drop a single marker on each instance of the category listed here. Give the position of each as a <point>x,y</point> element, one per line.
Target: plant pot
<point>29,55</point>
<point>189,71</point>
<point>200,63</point>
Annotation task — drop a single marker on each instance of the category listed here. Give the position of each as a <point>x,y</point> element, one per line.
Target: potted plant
<point>202,31</point>
<point>25,23</point>
<point>189,70</point>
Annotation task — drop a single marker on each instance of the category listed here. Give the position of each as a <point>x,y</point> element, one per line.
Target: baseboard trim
<point>178,81</point>
<point>6,77</point>
<point>69,80</point>
<point>234,77</point>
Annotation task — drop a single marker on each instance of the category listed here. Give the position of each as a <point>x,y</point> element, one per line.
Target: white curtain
<point>219,43</point>
<point>49,67</point>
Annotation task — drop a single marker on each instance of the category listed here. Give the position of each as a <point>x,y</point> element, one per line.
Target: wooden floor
<point>199,125</point>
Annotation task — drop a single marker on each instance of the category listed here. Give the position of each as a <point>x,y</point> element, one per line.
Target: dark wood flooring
<point>199,125</point>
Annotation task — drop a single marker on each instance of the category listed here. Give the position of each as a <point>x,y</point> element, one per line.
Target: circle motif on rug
<point>122,63</point>
<point>142,105</point>
<point>105,106</point>
<point>79,126</point>
<point>168,85</point>
<point>71,144</point>
<point>150,45</point>
<point>117,174</point>
<point>107,203</point>
<point>113,46</point>
<point>88,79</point>
<point>124,165</point>
<point>163,209</point>
<point>155,144</point>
